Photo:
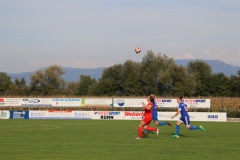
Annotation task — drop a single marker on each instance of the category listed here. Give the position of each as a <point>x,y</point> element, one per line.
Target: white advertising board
<point>4,114</point>
<point>127,102</point>
<point>198,103</point>
<point>29,102</point>
<point>162,116</point>
<point>196,116</point>
<point>66,102</point>
<point>10,102</point>
<point>167,103</point>
<point>68,114</point>
<point>107,115</point>
<point>119,115</point>
<point>192,103</point>
<point>103,102</point>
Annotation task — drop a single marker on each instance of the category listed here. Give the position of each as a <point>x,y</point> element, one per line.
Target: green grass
<point>108,139</point>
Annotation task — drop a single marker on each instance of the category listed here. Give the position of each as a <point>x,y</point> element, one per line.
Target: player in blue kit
<point>155,116</point>
<point>182,109</point>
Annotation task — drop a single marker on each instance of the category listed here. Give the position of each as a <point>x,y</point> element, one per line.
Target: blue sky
<point>101,33</point>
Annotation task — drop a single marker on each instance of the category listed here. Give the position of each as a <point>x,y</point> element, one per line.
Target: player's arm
<point>148,106</point>
<point>186,107</point>
<point>176,114</point>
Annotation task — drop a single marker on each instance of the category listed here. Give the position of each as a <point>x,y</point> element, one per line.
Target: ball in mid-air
<point>137,50</point>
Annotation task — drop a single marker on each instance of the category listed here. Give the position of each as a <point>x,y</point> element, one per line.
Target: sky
<point>101,33</point>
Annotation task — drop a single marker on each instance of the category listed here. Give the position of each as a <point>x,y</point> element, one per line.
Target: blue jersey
<point>182,108</point>
<point>154,110</point>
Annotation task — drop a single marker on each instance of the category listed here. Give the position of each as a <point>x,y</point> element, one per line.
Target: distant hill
<point>217,66</point>
<point>72,74</point>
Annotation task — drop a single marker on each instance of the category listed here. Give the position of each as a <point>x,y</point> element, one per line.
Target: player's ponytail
<point>151,98</point>
<point>181,98</point>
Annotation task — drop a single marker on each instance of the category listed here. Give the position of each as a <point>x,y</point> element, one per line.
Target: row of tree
<point>156,73</point>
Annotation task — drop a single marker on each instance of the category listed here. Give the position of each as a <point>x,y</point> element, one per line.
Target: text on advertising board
<point>106,113</point>
<point>2,102</point>
<point>133,114</point>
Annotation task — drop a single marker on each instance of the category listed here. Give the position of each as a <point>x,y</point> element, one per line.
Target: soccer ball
<point>137,50</point>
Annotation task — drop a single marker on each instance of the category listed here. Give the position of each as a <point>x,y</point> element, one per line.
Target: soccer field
<point>114,139</point>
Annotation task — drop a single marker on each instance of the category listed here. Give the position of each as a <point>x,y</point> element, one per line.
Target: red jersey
<point>148,113</point>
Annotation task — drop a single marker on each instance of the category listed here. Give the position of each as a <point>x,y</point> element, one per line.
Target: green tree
<point>149,73</point>
<point>71,88</point>
<point>19,87</point>
<point>110,83</point>
<point>5,82</point>
<point>176,81</point>
<point>84,85</point>
<point>102,88</point>
<point>219,85</point>
<point>47,82</point>
<point>234,85</point>
<point>203,72</point>
<point>131,80</point>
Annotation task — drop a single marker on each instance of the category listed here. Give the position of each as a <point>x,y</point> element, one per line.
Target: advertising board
<point>4,114</point>
<point>67,114</point>
<point>196,116</point>
<point>103,102</point>
<point>127,102</point>
<point>19,115</point>
<point>66,102</point>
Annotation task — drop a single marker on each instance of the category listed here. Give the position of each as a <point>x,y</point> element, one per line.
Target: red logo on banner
<point>133,114</point>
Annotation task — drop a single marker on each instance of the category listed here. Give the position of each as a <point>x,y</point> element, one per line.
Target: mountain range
<point>72,74</point>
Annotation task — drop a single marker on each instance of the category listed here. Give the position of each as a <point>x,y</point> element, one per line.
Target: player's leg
<point>149,128</point>
<point>189,127</point>
<point>179,122</point>
<point>145,131</point>
<point>140,127</point>
<point>163,123</point>
<point>154,119</point>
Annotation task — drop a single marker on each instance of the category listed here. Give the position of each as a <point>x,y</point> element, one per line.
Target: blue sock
<point>177,130</point>
<point>194,127</point>
<point>146,131</point>
<point>162,123</point>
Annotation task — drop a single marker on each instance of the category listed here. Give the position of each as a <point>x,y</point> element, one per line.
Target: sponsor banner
<point>26,102</point>
<point>66,102</point>
<point>192,103</point>
<point>168,103</point>
<point>103,102</point>
<point>19,114</point>
<point>198,103</point>
<point>82,114</point>
<point>196,116</point>
<point>107,115</point>
<point>51,114</point>
<point>123,102</point>
<point>38,114</point>
<point>40,102</point>
<point>2,102</point>
<point>10,102</point>
<point>4,114</point>
<point>133,115</point>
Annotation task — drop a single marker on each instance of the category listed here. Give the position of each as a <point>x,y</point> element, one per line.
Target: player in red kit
<point>147,118</point>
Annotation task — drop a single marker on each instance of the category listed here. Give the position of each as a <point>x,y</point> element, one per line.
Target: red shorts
<point>147,120</point>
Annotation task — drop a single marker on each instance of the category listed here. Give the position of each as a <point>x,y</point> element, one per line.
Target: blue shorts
<point>155,117</point>
<point>185,120</point>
